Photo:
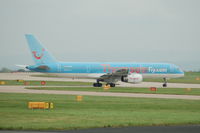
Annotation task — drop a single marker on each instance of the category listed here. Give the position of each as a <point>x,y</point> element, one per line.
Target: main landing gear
<point>165,82</point>
<point>111,84</point>
<point>97,84</point>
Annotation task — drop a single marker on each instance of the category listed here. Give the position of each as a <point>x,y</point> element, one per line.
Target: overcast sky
<point>103,30</point>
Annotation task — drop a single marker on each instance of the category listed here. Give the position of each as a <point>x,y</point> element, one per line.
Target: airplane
<point>108,72</point>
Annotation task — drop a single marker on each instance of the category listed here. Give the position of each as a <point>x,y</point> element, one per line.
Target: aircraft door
<point>59,67</point>
<point>88,68</point>
<point>171,68</point>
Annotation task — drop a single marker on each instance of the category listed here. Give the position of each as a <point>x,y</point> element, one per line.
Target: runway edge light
<point>153,89</point>
<point>188,89</point>
<point>43,82</point>
<point>2,82</point>
<point>106,87</point>
<point>79,98</point>
<point>20,80</point>
<point>26,83</point>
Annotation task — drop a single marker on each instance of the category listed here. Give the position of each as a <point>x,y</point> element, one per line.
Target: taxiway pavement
<point>22,89</point>
<point>27,76</point>
<point>151,129</point>
<point>31,76</point>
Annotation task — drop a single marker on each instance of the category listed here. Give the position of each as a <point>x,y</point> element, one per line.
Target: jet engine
<point>132,78</point>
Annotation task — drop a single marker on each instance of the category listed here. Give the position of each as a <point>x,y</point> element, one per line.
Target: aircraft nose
<point>182,71</point>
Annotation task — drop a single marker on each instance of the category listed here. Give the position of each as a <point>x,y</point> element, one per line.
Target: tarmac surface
<point>21,89</point>
<point>27,76</point>
<point>153,129</point>
<point>30,76</point>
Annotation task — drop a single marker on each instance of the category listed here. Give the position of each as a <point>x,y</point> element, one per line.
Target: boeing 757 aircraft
<point>108,72</point>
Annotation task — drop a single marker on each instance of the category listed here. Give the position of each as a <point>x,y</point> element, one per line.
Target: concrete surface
<point>21,89</point>
<point>27,76</point>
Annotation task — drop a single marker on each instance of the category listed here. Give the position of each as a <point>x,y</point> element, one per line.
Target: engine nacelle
<point>132,78</point>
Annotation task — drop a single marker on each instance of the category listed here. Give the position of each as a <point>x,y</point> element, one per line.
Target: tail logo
<point>36,55</point>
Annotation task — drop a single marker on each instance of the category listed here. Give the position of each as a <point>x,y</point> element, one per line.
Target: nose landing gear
<point>165,82</point>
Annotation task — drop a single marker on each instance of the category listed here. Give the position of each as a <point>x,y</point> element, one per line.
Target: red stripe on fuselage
<point>108,68</point>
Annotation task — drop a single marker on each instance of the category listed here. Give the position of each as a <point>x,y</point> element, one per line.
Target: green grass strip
<point>48,83</point>
<point>94,112</point>
<point>176,91</point>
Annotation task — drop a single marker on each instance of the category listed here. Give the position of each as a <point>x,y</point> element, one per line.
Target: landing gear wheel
<point>165,82</point>
<point>97,84</point>
<point>111,84</point>
<point>165,85</point>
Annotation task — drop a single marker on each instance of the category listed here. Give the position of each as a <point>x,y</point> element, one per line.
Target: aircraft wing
<point>22,66</point>
<point>114,77</point>
<point>43,67</point>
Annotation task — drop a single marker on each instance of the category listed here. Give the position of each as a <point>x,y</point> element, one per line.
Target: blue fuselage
<point>108,67</point>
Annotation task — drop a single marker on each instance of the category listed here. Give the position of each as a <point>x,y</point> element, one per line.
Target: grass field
<point>94,112</point>
<point>48,83</point>
<point>177,91</point>
<point>190,77</point>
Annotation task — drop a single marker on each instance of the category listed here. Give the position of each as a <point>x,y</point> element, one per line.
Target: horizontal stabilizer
<point>22,66</point>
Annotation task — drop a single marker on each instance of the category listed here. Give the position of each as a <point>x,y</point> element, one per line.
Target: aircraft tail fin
<point>39,53</point>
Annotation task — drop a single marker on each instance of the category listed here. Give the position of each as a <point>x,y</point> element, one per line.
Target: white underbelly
<point>162,75</point>
<point>97,75</point>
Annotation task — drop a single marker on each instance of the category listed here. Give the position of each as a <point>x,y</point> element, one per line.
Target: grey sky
<point>103,30</point>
